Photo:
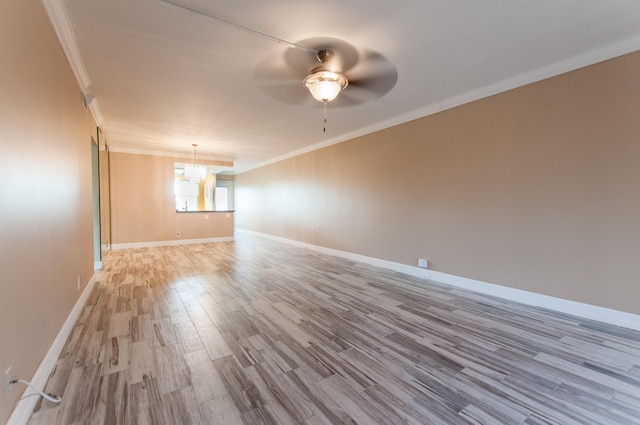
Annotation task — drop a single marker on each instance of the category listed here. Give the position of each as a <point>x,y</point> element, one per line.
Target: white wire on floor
<point>52,398</point>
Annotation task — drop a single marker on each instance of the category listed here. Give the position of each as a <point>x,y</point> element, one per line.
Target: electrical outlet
<point>7,383</point>
<point>422,263</point>
<point>78,282</point>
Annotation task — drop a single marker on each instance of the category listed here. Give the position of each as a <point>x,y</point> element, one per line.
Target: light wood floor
<point>256,332</point>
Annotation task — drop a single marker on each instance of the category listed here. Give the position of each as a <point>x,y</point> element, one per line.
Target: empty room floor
<point>259,332</point>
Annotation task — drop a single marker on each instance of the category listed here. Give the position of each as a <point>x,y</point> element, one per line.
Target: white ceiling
<point>164,78</point>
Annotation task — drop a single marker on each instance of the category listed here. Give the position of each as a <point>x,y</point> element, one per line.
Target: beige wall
<point>537,189</point>
<point>45,196</point>
<point>143,205</point>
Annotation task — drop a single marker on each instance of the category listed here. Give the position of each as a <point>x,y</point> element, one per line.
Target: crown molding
<point>573,63</point>
<point>62,25</point>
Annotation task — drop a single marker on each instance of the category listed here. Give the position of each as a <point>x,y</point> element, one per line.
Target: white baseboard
<point>587,311</point>
<point>170,243</point>
<point>23,410</point>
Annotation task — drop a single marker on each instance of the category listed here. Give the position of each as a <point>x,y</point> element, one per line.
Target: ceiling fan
<point>324,66</point>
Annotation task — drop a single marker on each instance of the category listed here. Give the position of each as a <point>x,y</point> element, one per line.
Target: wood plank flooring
<point>257,332</point>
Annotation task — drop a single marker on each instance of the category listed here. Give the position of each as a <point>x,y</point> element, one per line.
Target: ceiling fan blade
<point>345,56</point>
<point>380,84</point>
<point>286,92</point>
<point>373,77</point>
<point>281,76</point>
<point>352,96</point>
<point>279,82</point>
<point>374,72</point>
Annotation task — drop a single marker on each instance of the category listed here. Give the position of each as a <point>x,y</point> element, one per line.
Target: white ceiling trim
<point>567,65</point>
<point>60,20</point>
<point>62,26</point>
<point>61,23</point>
<point>592,57</point>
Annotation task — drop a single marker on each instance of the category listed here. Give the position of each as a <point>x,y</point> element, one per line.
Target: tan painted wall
<point>537,188</point>
<point>143,207</point>
<point>45,196</point>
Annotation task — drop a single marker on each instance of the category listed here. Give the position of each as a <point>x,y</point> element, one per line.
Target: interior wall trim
<point>587,311</point>
<point>24,409</point>
<point>62,26</point>
<point>170,243</point>
<point>572,63</point>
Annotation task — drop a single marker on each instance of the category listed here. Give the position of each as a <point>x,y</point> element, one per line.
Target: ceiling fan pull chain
<point>324,128</point>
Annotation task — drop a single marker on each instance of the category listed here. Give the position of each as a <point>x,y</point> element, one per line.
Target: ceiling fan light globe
<point>325,91</point>
<point>325,85</point>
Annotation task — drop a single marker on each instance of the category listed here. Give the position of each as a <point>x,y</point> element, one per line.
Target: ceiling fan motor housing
<point>324,55</point>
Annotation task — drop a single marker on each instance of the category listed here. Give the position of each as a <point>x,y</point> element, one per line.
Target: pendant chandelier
<point>194,172</point>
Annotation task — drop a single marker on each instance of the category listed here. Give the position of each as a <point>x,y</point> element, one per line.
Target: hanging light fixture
<point>324,84</point>
<point>194,172</point>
